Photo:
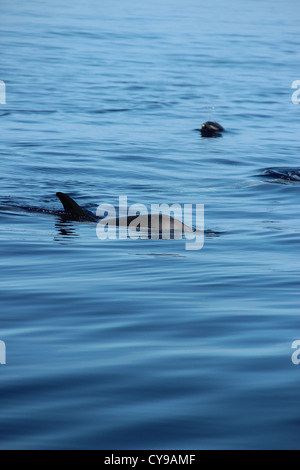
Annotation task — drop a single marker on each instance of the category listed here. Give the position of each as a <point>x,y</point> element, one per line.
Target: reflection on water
<point>65,230</point>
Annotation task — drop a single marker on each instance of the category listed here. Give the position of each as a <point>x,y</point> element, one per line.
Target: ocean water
<point>142,344</point>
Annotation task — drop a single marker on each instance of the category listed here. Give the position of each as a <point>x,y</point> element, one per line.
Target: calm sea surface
<point>141,344</point>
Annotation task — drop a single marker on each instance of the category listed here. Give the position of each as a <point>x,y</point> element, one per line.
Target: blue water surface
<point>142,344</point>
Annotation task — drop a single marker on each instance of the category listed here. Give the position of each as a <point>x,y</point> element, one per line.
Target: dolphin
<point>211,129</point>
<point>284,174</point>
<point>164,225</point>
<point>160,222</point>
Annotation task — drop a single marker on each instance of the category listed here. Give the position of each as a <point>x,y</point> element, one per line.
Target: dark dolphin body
<point>73,212</point>
<point>211,129</point>
<point>283,174</point>
<point>163,222</point>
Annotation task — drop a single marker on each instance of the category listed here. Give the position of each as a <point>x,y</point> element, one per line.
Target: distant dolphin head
<point>211,129</point>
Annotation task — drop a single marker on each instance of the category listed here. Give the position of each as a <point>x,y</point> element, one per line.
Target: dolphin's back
<point>157,222</point>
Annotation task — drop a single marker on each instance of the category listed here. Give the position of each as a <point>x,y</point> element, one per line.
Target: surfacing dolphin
<point>282,174</point>
<point>211,129</point>
<point>163,225</point>
<point>73,212</point>
<point>160,222</point>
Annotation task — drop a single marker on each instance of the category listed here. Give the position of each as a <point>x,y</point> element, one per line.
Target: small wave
<point>112,110</point>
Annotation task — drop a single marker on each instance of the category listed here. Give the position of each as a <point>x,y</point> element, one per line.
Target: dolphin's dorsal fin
<point>71,207</point>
